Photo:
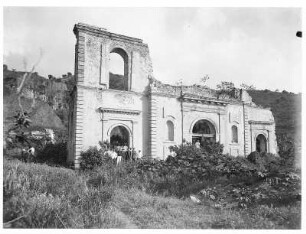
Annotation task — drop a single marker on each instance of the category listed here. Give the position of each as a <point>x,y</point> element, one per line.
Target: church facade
<point>141,112</point>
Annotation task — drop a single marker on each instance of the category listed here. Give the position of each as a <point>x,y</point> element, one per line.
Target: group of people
<point>125,153</point>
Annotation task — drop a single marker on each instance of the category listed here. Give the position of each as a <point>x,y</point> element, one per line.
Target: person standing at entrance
<point>198,144</point>
<point>125,152</point>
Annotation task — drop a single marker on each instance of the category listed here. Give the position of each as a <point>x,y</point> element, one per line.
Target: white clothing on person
<point>125,148</point>
<point>114,155</point>
<point>31,151</point>
<point>111,154</point>
<point>119,159</point>
<point>172,154</point>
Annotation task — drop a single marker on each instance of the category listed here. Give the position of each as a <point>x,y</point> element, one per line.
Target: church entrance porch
<point>261,143</point>
<point>121,143</point>
<point>119,136</point>
<point>204,132</point>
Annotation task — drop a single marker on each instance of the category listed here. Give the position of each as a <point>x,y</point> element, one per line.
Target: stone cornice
<point>102,32</point>
<point>119,111</point>
<point>123,92</point>
<point>261,122</point>
<point>163,95</point>
<point>101,89</point>
<point>207,101</point>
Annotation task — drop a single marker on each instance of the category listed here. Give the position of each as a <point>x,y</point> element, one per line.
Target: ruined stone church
<point>141,112</point>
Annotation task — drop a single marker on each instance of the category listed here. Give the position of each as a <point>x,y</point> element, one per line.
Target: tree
<point>22,119</point>
<point>25,77</point>
<point>204,79</point>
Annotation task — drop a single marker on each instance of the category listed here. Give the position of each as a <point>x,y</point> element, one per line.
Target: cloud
<point>251,45</point>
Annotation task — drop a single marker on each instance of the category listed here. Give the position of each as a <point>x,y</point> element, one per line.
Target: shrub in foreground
<point>93,157</point>
<point>53,154</point>
<point>237,177</point>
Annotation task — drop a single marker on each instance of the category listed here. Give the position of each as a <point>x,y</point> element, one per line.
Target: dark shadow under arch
<point>203,131</point>
<point>119,136</point>
<point>261,143</point>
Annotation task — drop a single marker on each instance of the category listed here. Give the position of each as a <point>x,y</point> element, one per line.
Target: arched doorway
<point>203,131</point>
<point>119,136</point>
<point>261,143</point>
<point>118,69</point>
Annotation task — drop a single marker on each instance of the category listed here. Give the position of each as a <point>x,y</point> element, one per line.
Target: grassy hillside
<point>286,108</point>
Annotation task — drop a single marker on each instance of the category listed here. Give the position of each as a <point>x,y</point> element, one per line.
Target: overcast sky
<point>256,46</point>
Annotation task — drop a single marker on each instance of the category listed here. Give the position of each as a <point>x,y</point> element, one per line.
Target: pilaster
<point>79,113</point>
<point>247,137</point>
<point>153,125</point>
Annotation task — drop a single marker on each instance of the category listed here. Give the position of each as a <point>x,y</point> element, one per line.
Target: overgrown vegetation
<point>231,192</point>
<point>111,196</point>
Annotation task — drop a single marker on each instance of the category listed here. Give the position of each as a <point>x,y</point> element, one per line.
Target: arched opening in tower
<point>118,69</point>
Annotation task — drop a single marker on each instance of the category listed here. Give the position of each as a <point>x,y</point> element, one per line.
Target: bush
<point>53,154</point>
<point>213,148</point>
<point>266,162</point>
<point>193,167</point>
<point>287,150</point>
<point>92,158</point>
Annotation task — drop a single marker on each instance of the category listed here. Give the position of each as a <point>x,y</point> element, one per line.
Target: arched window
<point>234,134</point>
<point>118,69</point>
<point>170,131</point>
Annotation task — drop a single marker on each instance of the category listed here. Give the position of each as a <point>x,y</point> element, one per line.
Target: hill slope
<point>42,115</point>
<point>286,108</point>
<point>51,95</point>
